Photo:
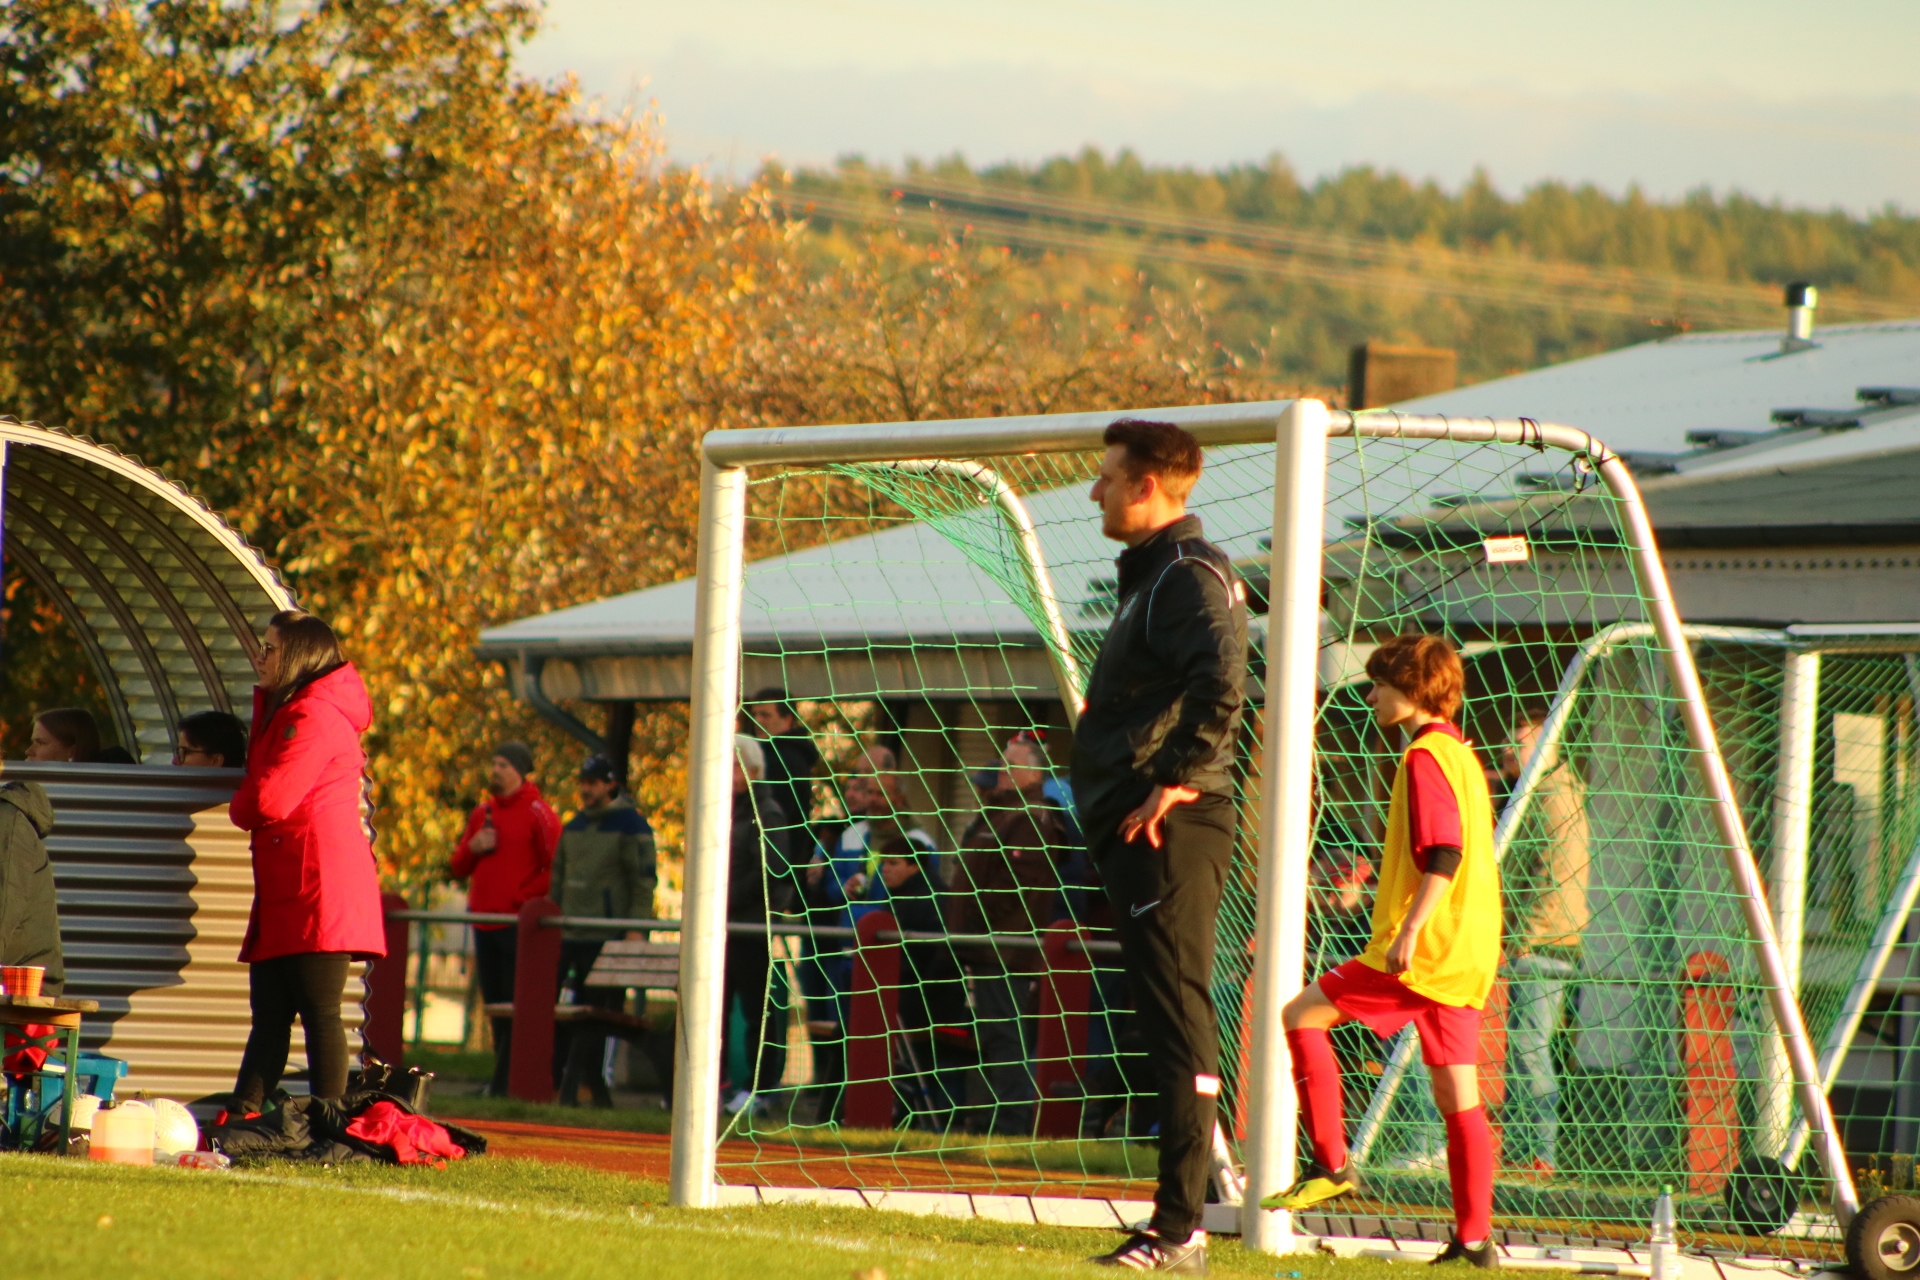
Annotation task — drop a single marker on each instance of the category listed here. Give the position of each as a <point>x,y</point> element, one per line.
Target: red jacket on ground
<point>517,870</point>
<point>315,884</point>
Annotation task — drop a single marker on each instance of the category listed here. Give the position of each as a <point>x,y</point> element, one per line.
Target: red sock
<point>1316,1074</point>
<point>1470,1173</point>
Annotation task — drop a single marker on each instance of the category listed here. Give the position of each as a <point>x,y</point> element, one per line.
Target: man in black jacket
<point>792,759</point>
<point>1152,776</point>
<point>759,885</point>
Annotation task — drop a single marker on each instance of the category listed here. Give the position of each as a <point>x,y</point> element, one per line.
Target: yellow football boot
<point>1317,1187</point>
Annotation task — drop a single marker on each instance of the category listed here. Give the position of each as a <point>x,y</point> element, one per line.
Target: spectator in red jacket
<point>316,889</point>
<point>507,850</point>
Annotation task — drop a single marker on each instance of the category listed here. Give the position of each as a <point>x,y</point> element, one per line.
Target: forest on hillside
<point>1288,275</point>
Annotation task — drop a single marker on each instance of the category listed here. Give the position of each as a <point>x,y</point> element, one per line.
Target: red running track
<point>646,1155</point>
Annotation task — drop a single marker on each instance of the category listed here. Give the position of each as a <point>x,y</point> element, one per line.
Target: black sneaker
<point>1481,1255</point>
<point>1145,1251</point>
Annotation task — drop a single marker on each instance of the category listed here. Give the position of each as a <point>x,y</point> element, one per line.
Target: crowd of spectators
<point>971,918</point>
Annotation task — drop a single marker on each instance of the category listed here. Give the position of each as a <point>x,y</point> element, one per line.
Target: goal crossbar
<point>1300,430</point>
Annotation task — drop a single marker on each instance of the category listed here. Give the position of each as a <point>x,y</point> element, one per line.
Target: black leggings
<point>308,986</point>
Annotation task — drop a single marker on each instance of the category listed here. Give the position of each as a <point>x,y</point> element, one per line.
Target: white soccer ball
<point>175,1131</point>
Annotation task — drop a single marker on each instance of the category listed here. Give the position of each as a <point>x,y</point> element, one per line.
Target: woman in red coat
<point>316,890</point>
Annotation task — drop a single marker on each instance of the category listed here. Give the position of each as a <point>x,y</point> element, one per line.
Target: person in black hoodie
<point>933,995</point>
<point>759,882</point>
<point>1153,759</point>
<point>788,750</point>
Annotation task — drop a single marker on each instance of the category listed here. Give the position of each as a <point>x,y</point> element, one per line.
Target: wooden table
<point>64,1017</point>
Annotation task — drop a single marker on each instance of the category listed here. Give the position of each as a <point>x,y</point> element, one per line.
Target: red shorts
<point>1449,1034</point>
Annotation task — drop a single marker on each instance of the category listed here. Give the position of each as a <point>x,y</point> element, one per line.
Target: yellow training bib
<point>1459,947</point>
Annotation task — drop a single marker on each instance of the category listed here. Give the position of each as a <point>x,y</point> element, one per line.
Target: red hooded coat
<point>315,884</point>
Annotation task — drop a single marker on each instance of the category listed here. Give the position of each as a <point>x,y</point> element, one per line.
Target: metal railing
<point>998,941</point>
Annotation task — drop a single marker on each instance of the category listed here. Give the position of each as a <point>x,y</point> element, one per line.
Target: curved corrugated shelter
<point>162,594</point>
<point>154,881</point>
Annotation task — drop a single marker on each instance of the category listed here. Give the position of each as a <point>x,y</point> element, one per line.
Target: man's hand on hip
<point>1158,804</point>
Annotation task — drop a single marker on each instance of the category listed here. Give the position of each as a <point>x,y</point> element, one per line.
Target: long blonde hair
<point>308,650</point>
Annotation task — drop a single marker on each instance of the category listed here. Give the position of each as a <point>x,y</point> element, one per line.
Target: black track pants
<point>307,986</point>
<point>1165,903</point>
<point>496,955</point>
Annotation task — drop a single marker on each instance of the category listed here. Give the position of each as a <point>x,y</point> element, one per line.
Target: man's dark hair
<point>217,733</point>
<point>75,729</point>
<point>777,696</point>
<point>1160,450</point>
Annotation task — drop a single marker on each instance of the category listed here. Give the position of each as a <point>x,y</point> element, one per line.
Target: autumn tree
<point>180,182</point>
<point>445,344</point>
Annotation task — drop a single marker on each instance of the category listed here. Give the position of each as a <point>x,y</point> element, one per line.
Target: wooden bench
<point>63,1016</point>
<point>625,964</point>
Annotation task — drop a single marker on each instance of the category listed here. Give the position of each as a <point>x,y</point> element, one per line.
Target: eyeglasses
<point>180,756</point>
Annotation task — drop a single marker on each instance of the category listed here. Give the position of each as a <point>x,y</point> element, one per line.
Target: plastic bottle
<point>1663,1257</point>
<point>202,1160</point>
<point>123,1134</point>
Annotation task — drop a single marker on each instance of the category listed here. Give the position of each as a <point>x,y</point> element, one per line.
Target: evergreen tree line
<point>1290,274</point>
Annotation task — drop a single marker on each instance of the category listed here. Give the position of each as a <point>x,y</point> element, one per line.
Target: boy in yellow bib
<point>1435,945</point>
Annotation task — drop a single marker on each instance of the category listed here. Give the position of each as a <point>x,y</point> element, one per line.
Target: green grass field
<point>492,1217</point>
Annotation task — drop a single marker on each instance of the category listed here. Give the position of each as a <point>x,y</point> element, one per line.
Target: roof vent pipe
<point>1802,298</point>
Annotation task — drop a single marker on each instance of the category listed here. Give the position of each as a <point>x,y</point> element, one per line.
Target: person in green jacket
<point>604,867</point>
<point>29,917</point>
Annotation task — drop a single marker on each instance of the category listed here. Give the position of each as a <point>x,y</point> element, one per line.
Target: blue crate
<point>99,1075</point>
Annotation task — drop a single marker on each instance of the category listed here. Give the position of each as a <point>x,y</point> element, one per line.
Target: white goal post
<point>1300,429</point>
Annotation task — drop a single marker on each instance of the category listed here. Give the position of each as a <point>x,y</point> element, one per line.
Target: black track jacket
<point>1165,697</point>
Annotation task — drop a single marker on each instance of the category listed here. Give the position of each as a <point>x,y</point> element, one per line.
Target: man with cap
<point>506,855</point>
<point>605,867</point>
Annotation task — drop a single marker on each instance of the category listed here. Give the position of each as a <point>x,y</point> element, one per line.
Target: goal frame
<point>1300,430</point>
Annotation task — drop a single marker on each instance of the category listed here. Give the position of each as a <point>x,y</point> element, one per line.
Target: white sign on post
<point>1509,550</point>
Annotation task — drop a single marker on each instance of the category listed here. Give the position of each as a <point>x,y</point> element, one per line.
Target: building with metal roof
<point>1780,467</point>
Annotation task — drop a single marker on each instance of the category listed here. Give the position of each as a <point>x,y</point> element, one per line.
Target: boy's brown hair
<point>1425,668</point>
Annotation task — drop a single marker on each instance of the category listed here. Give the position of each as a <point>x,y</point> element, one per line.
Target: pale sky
<point>1815,102</point>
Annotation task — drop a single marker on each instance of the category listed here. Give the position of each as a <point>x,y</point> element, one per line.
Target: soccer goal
<point>928,592</point>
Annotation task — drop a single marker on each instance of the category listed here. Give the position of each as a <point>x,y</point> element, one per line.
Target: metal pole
<point>1733,833</point>
<point>1286,811</point>
<point>1787,886</point>
<point>703,914</point>
<point>1833,1055</point>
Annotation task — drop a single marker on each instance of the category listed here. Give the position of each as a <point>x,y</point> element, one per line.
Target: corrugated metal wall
<point>155,885</point>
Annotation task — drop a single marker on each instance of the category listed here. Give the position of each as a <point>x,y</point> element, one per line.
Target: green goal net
<point>945,1010</point>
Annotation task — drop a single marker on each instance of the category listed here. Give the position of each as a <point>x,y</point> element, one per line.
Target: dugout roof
<point>1743,448</point>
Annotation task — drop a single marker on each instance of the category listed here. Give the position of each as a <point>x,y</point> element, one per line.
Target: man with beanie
<point>1153,781</point>
<point>605,867</point>
<point>507,854</point>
